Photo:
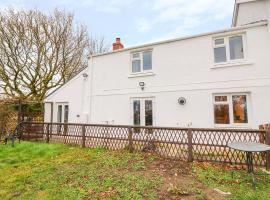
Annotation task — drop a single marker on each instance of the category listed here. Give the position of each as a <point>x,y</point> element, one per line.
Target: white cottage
<point>217,79</point>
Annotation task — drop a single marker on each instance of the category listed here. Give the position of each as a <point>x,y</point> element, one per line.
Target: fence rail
<point>265,127</point>
<point>181,143</point>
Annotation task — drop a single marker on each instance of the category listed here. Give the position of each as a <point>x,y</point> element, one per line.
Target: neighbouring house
<point>216,79</point>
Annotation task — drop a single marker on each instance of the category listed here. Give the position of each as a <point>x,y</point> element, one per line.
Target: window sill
<point>141,74</point>
<point>231,64</point>
<point>232,126</point>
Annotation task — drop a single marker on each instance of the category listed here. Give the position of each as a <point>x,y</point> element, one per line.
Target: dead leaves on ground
<point>104,194</point>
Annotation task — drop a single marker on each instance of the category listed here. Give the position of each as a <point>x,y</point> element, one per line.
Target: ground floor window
<point>231,109</point>
<point>59,113</point>
<point>142,111</point>
<point>62,113</point>
<point>62,117</point>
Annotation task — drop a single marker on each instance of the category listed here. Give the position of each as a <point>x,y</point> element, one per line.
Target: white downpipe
<point>84,118</point>
<point>91,74</point>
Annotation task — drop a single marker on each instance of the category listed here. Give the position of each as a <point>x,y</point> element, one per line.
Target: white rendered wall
<point>183,69</point>
<point>252,11</point>
<point>75,93</point>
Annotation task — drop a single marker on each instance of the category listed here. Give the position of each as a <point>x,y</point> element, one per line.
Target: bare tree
<point>98,45</point>
<point>39,52</point>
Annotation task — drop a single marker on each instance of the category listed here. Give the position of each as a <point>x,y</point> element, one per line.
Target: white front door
<point>142,112</point>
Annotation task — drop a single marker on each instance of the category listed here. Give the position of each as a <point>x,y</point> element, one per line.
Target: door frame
<point>63,104</point>
<point>61,130</point>
<point>142,109</point>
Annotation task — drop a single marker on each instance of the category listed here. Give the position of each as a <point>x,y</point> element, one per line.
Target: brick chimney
<point>117,45</point>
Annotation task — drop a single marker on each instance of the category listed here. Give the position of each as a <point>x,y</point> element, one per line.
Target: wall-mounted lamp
<point>142,85</point>
<point>85,75</point>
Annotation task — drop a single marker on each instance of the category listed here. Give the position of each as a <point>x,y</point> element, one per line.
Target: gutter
<point>256,24</point>
<point>58,88</point>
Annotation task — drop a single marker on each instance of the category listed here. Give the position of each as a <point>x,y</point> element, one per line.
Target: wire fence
<point>180,143</point>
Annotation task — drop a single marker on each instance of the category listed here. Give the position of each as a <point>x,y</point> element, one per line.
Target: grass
<point>53,171</point>
<point>239,185</point>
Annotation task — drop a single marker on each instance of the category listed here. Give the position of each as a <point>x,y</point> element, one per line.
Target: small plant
<point>179,190</point>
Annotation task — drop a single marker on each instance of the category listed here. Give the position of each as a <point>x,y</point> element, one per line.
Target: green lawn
<point>54,171</point>
<point>42,171</point>
<point>240,184</point>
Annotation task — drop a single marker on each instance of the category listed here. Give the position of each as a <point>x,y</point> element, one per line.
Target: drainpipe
<point>83,98</point>
<point>91,73</point>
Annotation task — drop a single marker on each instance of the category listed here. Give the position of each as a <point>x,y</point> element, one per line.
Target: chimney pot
<point>117,45</point>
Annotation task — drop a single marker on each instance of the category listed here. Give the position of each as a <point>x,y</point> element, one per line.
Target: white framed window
<point>62,112</point>
<point>141,61</point>
<point>231,109</point>
<point>229,49</point>
<point>62,117</point>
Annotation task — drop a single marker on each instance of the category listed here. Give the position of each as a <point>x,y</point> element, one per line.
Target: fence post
<point>51,129</point>
<point>29,128</point>
<point>130,140</point>
<point>190,148</point>
<point>20,132</point>
<point>48,133</point>
<point>83,136</point>
<point>267,141</point>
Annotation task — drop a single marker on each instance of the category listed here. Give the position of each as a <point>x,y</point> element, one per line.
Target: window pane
<point>220,98</point>
<point>136,66</point>
<point>236,47</point>
<point>219,41</point>
<point>136,113</point>
<point>222,115</point>
<point>66,114</point>
<point>148,113</point>
<point>220,54</point>
<point>59,114</point>
<point>240,108</point>
<point>136,55</point>
<point>147,60</point>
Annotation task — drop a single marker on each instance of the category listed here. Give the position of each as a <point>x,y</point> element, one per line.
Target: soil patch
<point>179,182</point>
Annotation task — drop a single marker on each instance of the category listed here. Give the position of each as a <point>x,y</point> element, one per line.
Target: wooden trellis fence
<point>181,143</point>
<point>13,111</point>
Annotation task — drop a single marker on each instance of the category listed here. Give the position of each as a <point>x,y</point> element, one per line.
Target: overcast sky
<point>140,21</point>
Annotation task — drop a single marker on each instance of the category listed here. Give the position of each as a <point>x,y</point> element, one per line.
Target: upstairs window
<point>141,61</point>
<point>220,51</point>
<point>236,47</point>
<point>228,49</point>
<point>136,62</point>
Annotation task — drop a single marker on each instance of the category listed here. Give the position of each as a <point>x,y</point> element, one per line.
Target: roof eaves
<point>260,23</point>
<point>54,91</point>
